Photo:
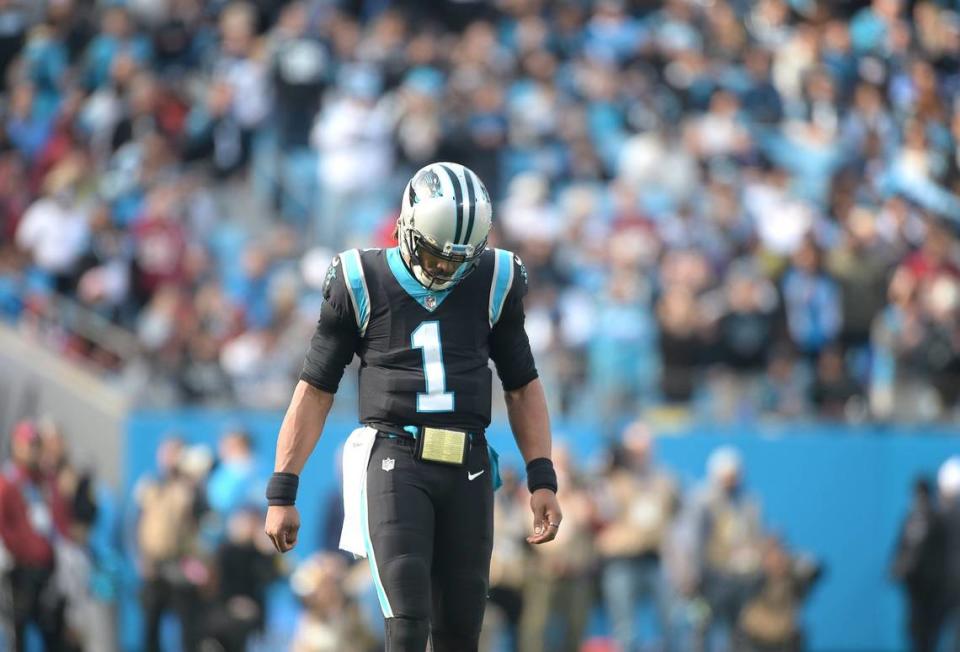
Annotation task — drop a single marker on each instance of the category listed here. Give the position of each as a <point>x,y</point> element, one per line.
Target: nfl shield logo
<point>430,302</point>
<point>388,463</point>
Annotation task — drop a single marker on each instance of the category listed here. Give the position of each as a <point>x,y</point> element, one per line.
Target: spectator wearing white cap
<point>948,482</point>
<point>727,544</point>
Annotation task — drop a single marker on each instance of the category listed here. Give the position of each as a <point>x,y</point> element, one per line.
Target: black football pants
<point>431,530</point>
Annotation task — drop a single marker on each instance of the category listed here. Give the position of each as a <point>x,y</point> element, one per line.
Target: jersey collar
<point>429,299</point>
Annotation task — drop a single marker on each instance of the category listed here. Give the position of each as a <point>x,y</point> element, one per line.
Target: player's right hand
<point>282,525</point>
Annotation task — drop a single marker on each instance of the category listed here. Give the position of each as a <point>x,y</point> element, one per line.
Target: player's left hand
<point>546,516</point>
<point>282,525</point>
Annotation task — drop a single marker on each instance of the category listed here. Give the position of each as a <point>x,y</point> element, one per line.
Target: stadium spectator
<point>300,69</point>
<point>861,263</point>
<point>770,619</point>
<point>501,619</point>
<point>331,621</point>
<point>34,516</point>
<point>74,486</point>
<point>117,38</point>
<point>159,244</point>
<point>244,566</point>
<point>681,344</point>
<point>617,374</point>
<point>917,352</point>
<point>940,349</point>
<point>918,565</point>
<point>637,504</point>
<point>352,137</point>
<point>727,541</point>
<point>54,229</point>
<point>87,563</point>
<point>558,585</point>
<point>166,543</point>
<point>15,21</point>
<point>236,482</point>
<point>213,134</point>
<point>948,483</point>
<point>833,389</point>
<point>812,301</point>
<point>742,313</point>
<point>784,394</point>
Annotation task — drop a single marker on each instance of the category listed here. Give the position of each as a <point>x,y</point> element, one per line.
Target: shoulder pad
<point>356,284</point>
<point>333,271</point>
<point>500,284</point>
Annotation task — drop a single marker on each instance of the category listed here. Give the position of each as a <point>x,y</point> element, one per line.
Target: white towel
<point>356,455</point>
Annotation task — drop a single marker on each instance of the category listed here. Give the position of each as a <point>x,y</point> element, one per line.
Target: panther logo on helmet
<point>444,223</point>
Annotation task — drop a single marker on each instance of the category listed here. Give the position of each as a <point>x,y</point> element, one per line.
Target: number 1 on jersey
<point>436,398</point>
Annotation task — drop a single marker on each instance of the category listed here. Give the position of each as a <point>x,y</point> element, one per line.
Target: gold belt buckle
<point>443,446</point>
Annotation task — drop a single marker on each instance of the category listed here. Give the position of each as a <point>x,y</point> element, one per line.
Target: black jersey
<point>423,353</point>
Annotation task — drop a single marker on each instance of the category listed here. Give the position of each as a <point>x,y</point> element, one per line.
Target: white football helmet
<point>446,213</point>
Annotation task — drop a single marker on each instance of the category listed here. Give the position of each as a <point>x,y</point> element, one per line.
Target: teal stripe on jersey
<point>357,287</point>
<point>502,280</point>
<point>371,556</point>
<point>412,286</point>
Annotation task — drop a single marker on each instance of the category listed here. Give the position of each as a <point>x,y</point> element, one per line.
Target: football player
<point>425,318</point>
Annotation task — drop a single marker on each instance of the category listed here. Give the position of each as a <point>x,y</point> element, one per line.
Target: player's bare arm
<point>527,411</point>
<point>298,436</point>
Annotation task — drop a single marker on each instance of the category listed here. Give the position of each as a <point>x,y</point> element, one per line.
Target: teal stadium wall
<point>837,492</point>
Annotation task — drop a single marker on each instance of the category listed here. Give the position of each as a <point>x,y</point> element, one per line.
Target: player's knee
<point>407,634</point>
<point>457,626</point>
<point>406,580</point>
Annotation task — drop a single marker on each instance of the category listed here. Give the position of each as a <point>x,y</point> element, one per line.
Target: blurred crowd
<point>201,552</point>
<point>729,209</point>
<point>673,568</point>
<point>188,542</point>
<point>643,561</point>
<point>700,561</point>
<point>60,562</point>
<point>188,546</point>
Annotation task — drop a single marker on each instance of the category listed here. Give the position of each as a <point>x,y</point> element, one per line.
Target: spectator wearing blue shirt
<point>117,36</point>
<point>871,26</point>
<point>236,482</point>
<point>46,58</point>
<point>622,350</point>
<point>812,301</point>
<point>27,128</point>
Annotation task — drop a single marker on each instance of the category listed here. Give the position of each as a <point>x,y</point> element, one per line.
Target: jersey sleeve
<point>337,336</point>
<point>509,345</point>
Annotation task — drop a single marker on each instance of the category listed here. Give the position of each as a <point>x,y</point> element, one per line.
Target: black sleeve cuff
<point>522,380</point>
<point>324,385</point>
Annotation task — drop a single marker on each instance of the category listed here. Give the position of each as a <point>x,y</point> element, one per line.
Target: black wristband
<point>282,489</point>
<point>540,475</point>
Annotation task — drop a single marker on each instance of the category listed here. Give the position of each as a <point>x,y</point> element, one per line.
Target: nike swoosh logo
<point>474,476</point>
